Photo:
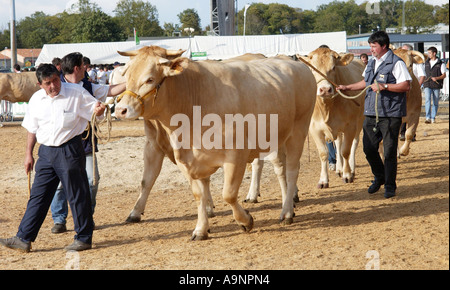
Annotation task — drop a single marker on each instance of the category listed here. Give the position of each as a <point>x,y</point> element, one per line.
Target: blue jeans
<point>431,95</point>
<point>59,206</point>
<point>331,152</point>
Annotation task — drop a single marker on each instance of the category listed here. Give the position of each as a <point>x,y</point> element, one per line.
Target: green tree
<point>340,16</point>
<point>190,18</point>
<point>419,17</point>
<point>140,15</point>
<point>442,14</point>
<point>36,30</point>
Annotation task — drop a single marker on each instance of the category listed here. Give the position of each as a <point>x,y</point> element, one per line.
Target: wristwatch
<point>385,86</point>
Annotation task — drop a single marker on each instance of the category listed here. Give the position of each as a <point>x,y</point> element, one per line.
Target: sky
<point>167,9</point>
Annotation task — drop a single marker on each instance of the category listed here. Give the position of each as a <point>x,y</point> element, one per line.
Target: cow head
<point>326,61</point>
<point>145,73</point>
<point>410,57</point>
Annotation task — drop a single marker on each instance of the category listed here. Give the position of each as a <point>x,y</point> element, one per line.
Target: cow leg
<point>294,149</point>
<point>413,122</point>
<point>339,159</point>
<point>352,159</point>
<point>321,145</point>
<point>279,165</point>
<point>346,149</point>
<point>210,202</point>
<point>253,192</point>
<point>233,174</point>
<point>153,160</point>
<point>200,189</point>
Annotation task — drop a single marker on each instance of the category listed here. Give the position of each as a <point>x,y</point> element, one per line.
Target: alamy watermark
<point>373,7</point>
<point>374,260</point>
<point>233,129</point>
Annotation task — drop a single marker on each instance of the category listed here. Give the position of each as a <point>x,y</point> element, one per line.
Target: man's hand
<point>99,109</point>
<point>341,88</point>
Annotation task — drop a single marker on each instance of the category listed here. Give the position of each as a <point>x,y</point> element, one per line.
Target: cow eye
<point>150,81</point>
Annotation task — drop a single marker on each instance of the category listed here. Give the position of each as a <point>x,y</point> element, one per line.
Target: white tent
<point>215,47</point>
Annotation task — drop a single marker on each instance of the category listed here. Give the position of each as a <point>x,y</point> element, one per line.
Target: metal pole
<point>13,35</point>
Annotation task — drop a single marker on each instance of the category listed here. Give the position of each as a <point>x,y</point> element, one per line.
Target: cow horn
<point>176,53</point>
<point>128,53</point>
<point>416,55</point>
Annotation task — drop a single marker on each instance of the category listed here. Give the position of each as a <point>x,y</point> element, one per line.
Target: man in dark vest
<point>385,105</point>
<point>435,75</point>
<point>74,71</point>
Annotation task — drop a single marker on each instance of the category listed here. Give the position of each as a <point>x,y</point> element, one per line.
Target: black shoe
<point>78,246</point>
<point>389,194</point>
<point>375,186</point>
<point>16,243</point>
<point>59,228</point>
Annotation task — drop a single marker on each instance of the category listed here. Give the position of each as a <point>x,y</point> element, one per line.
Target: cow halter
<point>140,98</point>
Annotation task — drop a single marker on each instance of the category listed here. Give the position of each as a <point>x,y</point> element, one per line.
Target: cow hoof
<point>251,200</point>
<point>199,237</point>
<point>286,221</point>
<point>133,219</point>
<point>348,179</point>
<point>322,185</point>
<point>247,228</point>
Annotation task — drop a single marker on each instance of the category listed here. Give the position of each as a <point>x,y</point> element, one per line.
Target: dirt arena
<point>341,227</point>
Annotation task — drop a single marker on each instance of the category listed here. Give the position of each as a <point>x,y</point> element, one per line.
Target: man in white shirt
<point>384,107</point>
<point>73,69</point>
<point>56,117</point>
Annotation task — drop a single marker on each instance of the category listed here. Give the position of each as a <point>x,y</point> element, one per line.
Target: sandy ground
<point>341,227</point>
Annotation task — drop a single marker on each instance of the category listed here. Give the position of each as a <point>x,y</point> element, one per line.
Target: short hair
<point>46,70</point>
<point>381,37</point>
<point>409,46</point>
<point>365,55</point>
<point>17,67</point>
<point>56,61</point>
<point>70,61</point>
<point>432,49</point>
<point>86,60</point>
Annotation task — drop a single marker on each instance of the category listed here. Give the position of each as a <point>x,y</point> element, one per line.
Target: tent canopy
<point>215,47</point>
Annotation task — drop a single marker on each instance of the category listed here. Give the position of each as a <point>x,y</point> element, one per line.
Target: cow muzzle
<point>324,88</point>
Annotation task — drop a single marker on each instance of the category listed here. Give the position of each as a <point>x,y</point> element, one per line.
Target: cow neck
<point>325,105</point>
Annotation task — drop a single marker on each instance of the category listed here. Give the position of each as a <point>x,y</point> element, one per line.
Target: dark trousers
<point>386,130</point>
<point>65,163</point>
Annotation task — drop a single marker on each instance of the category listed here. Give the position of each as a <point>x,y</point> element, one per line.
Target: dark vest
<point>434,71</point>
<point>87,139</point>
<point>390,104</point>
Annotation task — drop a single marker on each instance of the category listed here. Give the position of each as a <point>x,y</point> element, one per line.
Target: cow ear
<point>345,59</point>
<point>176,66</point>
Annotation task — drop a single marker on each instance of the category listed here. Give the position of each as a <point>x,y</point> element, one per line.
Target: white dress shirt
<point>57,120</point>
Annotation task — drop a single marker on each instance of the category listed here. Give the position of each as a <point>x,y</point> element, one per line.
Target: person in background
<point>57,63</point>
<point>435,75</point>
<point>17,68</point>
<point>364,58</point>
<point>389,80</point>
<point>56,118</point>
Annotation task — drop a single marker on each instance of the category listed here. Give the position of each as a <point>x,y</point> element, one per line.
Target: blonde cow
<point>203,97</point>
<point>335,117</point>
<point>413,96</point>
<point>16,87</point>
